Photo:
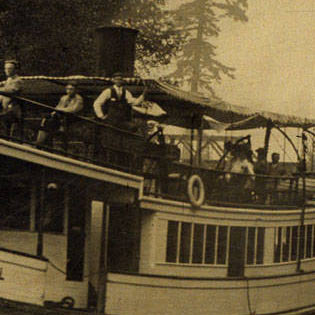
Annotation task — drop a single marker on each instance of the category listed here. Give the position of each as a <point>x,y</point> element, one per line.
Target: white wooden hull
<point>132,294</point>
<point>23,278</point>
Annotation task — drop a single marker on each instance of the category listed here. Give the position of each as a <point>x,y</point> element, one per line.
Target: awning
<point>182,108</point>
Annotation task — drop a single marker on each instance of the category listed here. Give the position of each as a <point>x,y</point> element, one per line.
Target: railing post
<point>65,133</point>
<point>21,122</point>
<point>95,142</point>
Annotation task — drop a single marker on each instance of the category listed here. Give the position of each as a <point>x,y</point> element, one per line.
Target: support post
<point>39,250</point>
<point>267,138</point>
<point>101,292</point>
<point>199,148</point>
<point>192,146</point>
<point>302,224</point>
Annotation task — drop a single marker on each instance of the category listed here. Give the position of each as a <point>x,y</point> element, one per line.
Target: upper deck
<point>82,138</point>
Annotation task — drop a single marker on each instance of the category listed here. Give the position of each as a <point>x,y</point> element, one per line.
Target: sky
<point>273,54</point>
<point>274,57</point>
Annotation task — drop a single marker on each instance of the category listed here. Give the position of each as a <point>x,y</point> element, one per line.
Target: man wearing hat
<point>10,110</point>
<point>114,105</point>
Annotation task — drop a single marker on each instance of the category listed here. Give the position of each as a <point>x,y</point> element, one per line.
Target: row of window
<point>292,241</point>
<point>194,243</point>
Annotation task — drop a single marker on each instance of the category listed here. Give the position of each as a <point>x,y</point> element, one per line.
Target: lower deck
<point>59,229</point>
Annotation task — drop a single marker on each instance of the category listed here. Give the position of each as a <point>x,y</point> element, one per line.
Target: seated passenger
<point>69,103</point>
<point>114,105</point>
<point>10,110</point>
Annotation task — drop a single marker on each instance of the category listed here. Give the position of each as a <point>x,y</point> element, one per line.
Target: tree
<point>56,37</point>
<point>198,21</point>
<point>158,38</point>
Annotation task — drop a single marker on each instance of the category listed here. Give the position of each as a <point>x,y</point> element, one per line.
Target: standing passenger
<point>275,168</point>
<point>114,105</point>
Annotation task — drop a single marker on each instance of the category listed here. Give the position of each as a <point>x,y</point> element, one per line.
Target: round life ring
<point>196,182</point>
<point>67,302</point>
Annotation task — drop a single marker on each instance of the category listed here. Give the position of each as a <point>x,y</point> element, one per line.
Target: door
<point>76,234</point>
<point>237,252</point>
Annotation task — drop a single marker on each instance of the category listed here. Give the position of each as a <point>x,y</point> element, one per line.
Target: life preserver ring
<point>196,181</point>
<point>67,302</point>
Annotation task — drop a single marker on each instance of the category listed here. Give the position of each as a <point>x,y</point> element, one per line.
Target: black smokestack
<point>116,50</point>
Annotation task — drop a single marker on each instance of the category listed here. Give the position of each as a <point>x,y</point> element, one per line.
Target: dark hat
<point>275,153</point>
<point>117,74</point>
<point>261,150</point>
<point>13,61</point>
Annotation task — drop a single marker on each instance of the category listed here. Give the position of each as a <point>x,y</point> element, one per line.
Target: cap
<point>260,150</point>
<point>52,186</point>
<point>117,74</point>
<point>13,61</point>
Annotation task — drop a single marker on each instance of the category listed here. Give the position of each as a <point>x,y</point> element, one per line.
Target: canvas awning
<point>182,108</point>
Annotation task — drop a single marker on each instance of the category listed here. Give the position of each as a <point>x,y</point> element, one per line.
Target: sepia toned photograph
<point>157,157</point>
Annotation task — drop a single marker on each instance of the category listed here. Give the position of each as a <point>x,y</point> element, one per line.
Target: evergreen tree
<point>198,21</point>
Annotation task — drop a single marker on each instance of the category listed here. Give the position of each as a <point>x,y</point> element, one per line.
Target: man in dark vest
<point>114,105</point>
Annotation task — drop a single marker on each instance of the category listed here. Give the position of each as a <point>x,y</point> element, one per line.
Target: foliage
<point>56,37</point>
<point>199,21</point>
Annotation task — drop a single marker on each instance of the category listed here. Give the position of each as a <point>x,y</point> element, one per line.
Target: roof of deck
<point>184,109</point>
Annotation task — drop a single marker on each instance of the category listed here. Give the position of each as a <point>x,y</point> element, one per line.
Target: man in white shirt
<point>114,105</point>
<point>72,102</point>
<point>10,110</point>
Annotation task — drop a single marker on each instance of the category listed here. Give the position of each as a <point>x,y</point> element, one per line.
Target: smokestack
<point>116,50</point>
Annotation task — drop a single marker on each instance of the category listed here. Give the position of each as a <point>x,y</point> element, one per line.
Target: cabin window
<point>194,243</point>
<point>255,245</point>
<point>222,245</point>
<point>15,201</point>
<point>198,243</point>
<point>287,244</point>
<point>185,242</point>
<point>211,236</point>
<point>172,237</point>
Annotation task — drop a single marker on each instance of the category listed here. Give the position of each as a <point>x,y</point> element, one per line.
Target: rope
<point>57,268</point>
<point>248,299</point>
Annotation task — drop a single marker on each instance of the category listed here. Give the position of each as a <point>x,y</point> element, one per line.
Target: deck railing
<point>79,137</point>
<point>89,140</point>
<point>170,180</point>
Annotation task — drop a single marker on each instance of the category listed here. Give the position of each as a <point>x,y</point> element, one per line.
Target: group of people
<point>113,106</point>
<point>241,168</point>
<point>240,160</point>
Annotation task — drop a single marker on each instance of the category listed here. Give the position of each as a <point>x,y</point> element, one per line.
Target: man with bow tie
<point>114,105</point>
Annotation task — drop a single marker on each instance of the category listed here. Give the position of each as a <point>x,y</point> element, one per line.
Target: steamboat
<point>111,220</point>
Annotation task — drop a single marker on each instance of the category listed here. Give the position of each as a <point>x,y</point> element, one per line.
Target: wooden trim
<point>69,165</point>
<point>15,252</point>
